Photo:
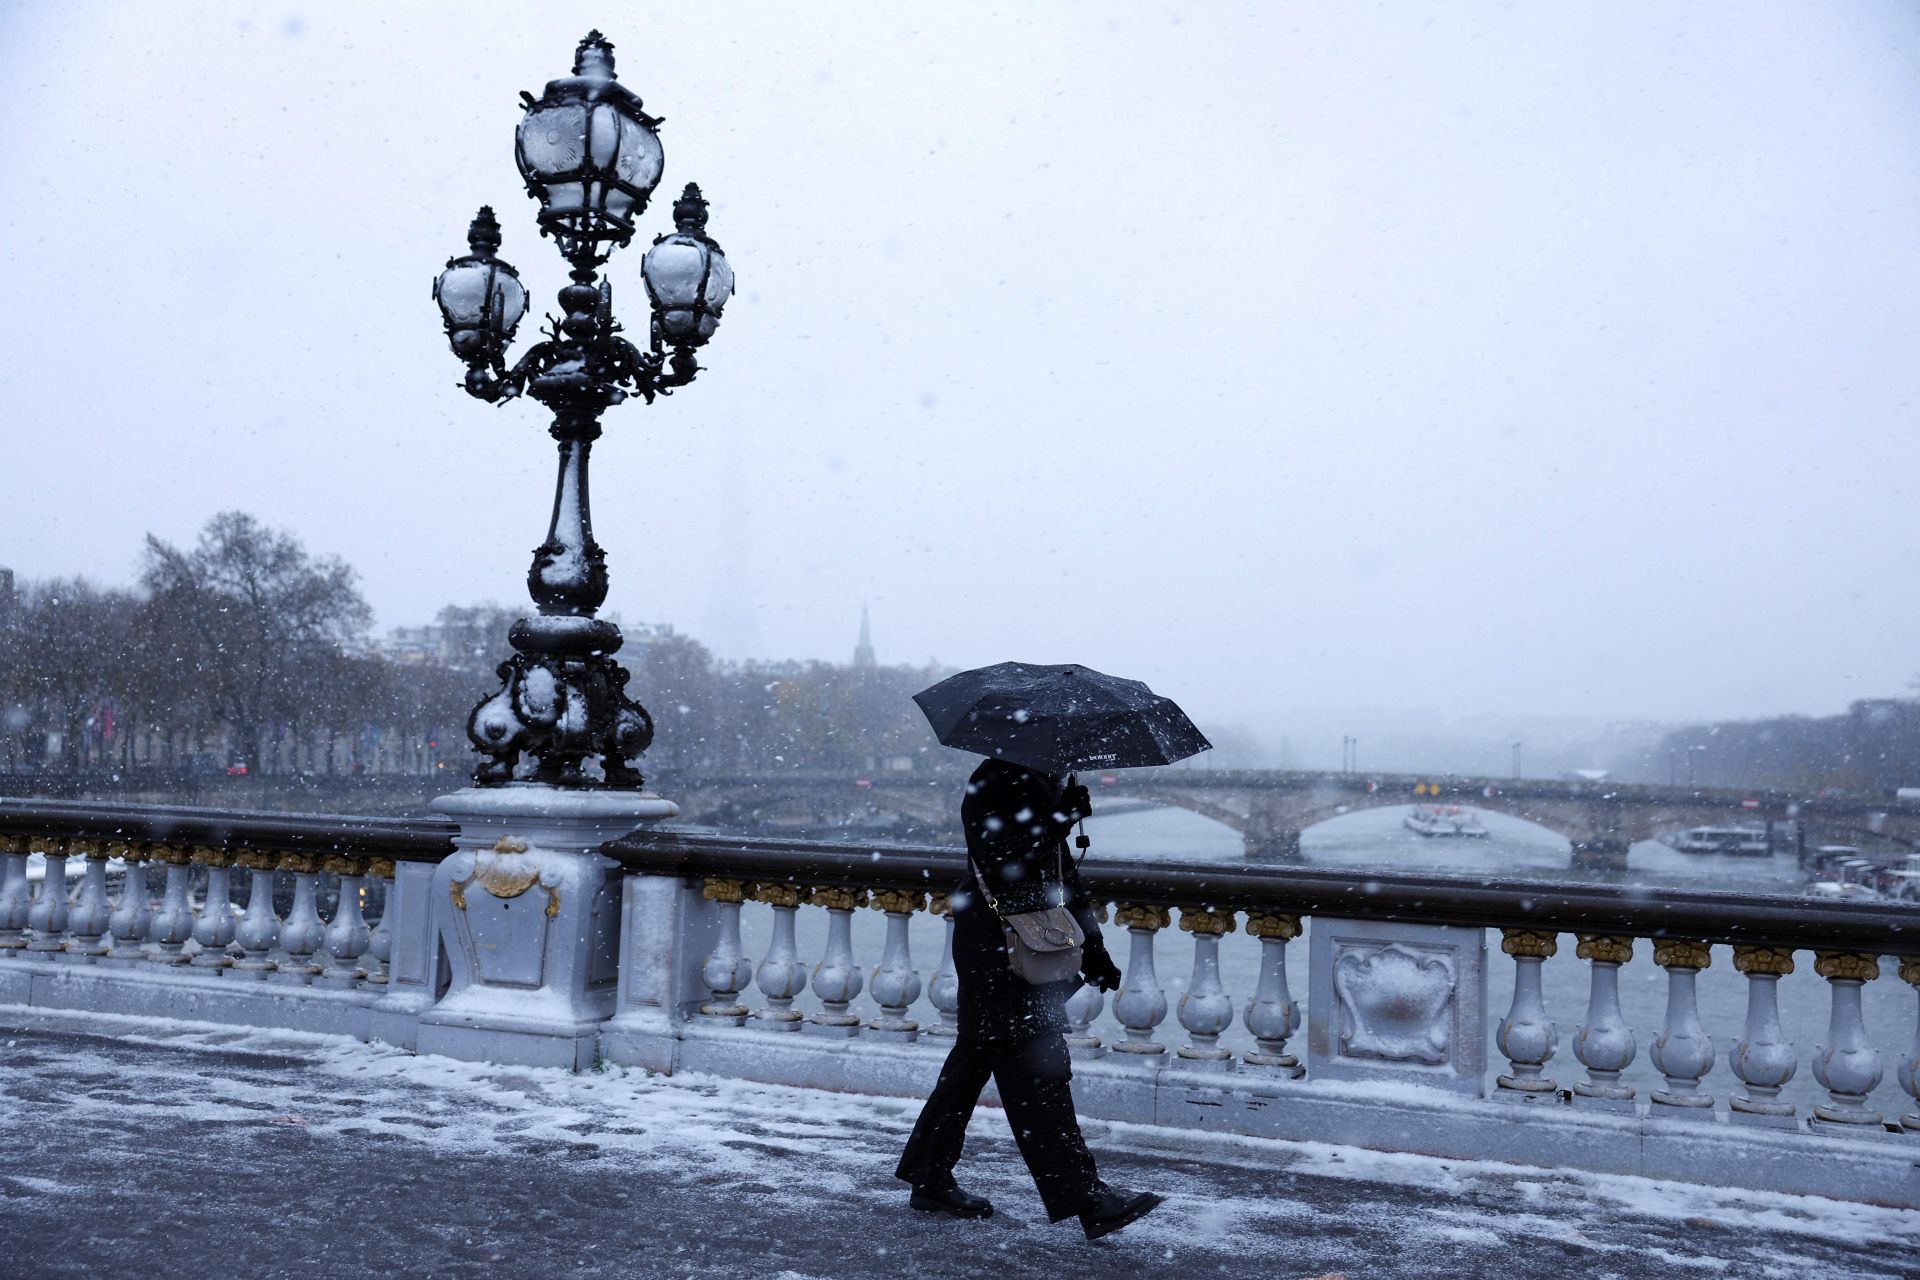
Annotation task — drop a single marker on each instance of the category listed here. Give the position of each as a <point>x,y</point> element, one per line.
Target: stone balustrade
<point>207,914</point>
<point>683,952</point>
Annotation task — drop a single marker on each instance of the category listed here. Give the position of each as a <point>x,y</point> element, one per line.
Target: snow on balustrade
<point>789,962</point>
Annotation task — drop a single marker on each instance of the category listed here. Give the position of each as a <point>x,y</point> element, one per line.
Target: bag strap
<point>993,903</point>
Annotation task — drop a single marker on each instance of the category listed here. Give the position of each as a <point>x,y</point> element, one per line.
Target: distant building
<point>863,651</point>
<point>6,595</point>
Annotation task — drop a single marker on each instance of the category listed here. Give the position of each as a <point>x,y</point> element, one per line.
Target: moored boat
<point>1751,841</point>
<point>1445,820</point>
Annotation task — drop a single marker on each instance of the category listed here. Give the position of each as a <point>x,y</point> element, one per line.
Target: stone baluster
<point>837,979</point>
<point>1205,1009</point>
<point>173,922</point>
<point>380,942</point>
<point>1272,1014</point>
<point>1909,1074</point>
<point>16,894</point>
<point>1140,1005</point>
<point>1526,1035</point>
<point>1683,1052</point>
<point>1083,1006</point>
<point>896,985</point>
<point>302,932</point>
<point>132,918</point>
<point>781,975</point>
<point>259,928</point>
<point>726,970</point>
<point>1605,1045</point>
<point>1762,1058</point>
<point>92,910</point>
<point>1847,1065</point>
<point>347,933</point>
<point>214,930</point>
<point>47,920</point>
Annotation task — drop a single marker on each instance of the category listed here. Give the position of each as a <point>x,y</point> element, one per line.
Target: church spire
<point>863,652</point>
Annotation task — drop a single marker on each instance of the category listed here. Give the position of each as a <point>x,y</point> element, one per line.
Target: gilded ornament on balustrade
<point>504,885</point>
<point>207,855</point>
<point>1607,948</point>
<point>777,895</point>
<point>504,878</point>
<point>1755,959</point>
<point>257,860</point>
<point>734,891</point>
<point>1198,920</point>
<point>305,864</point>
<point>380,868</point>
<point>1680,953</point>
<point>835,898</point>
<point>939,906</point>
<point>509,844</point>
<point>1138,916</point>
<point>172,855</point>
<point>898,901</point>
<point>1910,970</point>
<point>1529,942</point>
<point>1273,925</point>
<point>1854,965</point>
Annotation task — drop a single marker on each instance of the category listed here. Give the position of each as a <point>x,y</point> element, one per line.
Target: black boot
<point>950,1200</point>
<point>1112,1208</point>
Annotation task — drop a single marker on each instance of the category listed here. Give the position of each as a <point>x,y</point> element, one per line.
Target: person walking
<point>1016,821</point>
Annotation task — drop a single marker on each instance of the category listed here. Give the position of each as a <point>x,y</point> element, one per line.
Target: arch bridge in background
<point>1270,808</point>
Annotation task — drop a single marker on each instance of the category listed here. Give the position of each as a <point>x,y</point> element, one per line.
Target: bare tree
<point>261,620</point>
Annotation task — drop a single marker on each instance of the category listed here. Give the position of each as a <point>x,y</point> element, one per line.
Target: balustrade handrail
<point>1704,915</point>
<point>426,839</point>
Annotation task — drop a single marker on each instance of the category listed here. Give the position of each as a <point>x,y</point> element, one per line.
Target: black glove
<point>1075,800</point>
<point>1097,967</point>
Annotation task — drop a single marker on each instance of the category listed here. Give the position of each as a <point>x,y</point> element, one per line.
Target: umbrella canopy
<point>1058,719</point>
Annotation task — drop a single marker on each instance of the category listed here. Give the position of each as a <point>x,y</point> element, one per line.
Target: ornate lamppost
<point>527,904</point>
<point>591,156</point>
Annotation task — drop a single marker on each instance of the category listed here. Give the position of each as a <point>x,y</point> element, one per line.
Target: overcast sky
<point>1482,359</point>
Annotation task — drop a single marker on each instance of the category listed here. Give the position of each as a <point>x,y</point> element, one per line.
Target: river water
<point>1375,840</point>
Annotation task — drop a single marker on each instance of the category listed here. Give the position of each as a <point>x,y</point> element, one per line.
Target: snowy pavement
<point>143,1147</point>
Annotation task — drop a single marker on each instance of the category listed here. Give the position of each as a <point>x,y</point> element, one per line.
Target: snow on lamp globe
<point>688,279</point>
<point>590,155</point>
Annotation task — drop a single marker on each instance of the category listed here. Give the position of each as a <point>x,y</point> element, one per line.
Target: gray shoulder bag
<point>1042,946</point>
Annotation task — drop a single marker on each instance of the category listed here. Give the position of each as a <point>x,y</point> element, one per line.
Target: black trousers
<point>1035,1077</point>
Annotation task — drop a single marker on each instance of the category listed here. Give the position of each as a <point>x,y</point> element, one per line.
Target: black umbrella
<point>1058,719</point>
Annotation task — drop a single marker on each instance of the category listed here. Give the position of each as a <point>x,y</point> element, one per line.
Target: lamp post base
<point>529,910</point>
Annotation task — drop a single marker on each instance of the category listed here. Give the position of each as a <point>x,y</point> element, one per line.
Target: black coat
<point>1016,836</point>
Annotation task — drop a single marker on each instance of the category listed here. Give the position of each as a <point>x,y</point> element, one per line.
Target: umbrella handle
<point>1080,841</point>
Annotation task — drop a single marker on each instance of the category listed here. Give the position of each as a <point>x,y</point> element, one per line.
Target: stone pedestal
<point>529,912</point>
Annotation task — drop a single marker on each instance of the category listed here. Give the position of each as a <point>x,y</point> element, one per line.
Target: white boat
<point>1836,891</point>
<point>1751,841</point>
<point>1445,820</point>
